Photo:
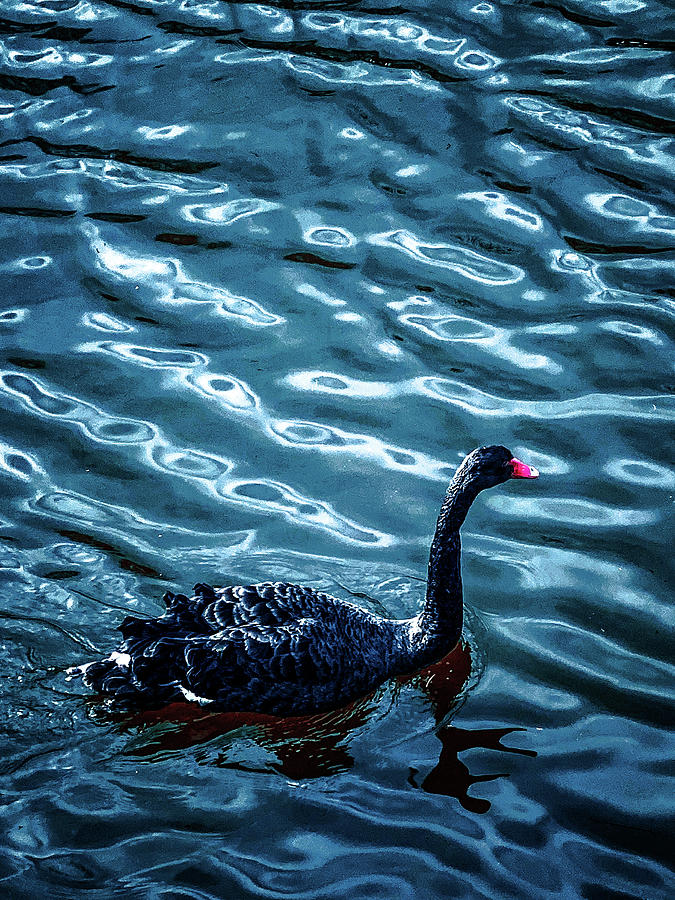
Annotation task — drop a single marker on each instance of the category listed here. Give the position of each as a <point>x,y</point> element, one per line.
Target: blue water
<point>268,272</point>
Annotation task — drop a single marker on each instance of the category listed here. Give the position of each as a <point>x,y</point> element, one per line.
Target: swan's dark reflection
<point>311,746</point>
<point>441,683</point>
<point>451,777</point>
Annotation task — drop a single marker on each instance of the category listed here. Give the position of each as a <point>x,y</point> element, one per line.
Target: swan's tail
<point>112,678</point>
<point>146,671</point>
<point>150,667</point>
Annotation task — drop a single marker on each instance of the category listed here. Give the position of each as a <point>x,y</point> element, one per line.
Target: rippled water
<point>267,273</point>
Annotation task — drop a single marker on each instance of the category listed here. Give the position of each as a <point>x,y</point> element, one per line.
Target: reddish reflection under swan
<point>317,745</point>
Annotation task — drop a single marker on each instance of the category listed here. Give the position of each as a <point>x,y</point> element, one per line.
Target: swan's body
<point>285,649</point>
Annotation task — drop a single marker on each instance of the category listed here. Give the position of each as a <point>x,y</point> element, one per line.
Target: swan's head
<point>488,466</point>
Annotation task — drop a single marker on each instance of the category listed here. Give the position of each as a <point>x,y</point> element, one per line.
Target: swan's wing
<point>252,666</point>
<point>251,648</point>
<point>255,665</point>
<point>212,609</point>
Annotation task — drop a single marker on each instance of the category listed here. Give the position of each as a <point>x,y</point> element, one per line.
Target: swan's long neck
<point>441,619</point>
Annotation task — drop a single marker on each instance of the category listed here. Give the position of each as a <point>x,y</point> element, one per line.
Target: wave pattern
<point>268,272</point>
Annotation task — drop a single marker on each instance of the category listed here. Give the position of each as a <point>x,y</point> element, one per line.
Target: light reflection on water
<point>268,273</point>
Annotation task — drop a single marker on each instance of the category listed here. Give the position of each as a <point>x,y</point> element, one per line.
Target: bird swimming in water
<point>288,650</point>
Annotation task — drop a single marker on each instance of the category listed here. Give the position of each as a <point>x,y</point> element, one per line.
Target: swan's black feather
<point>263,647</point>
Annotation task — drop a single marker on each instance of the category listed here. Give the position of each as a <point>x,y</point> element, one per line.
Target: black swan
<point>287,650</point>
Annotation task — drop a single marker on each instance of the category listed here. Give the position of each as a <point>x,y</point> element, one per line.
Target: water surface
<point>268,272</point>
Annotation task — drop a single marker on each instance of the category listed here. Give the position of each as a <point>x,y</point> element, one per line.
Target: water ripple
<point>228,213</point>
<point>37,398</point>
<point>577,512</point>
<point>19,464</point>
<point>227,390</point>
<point>468,263</point>
<point>105,322</point>
<point>593,657</point>
<point>477,402</point>
<point>151,357</point>
<point>169,284</point>
<point>328,438</point>
<point>269,496</point>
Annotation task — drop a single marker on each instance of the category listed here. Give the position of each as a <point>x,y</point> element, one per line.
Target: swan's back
<point>269,603</point>
<point>272,647</point>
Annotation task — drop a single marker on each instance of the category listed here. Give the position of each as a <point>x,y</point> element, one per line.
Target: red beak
<point>520,470</point>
